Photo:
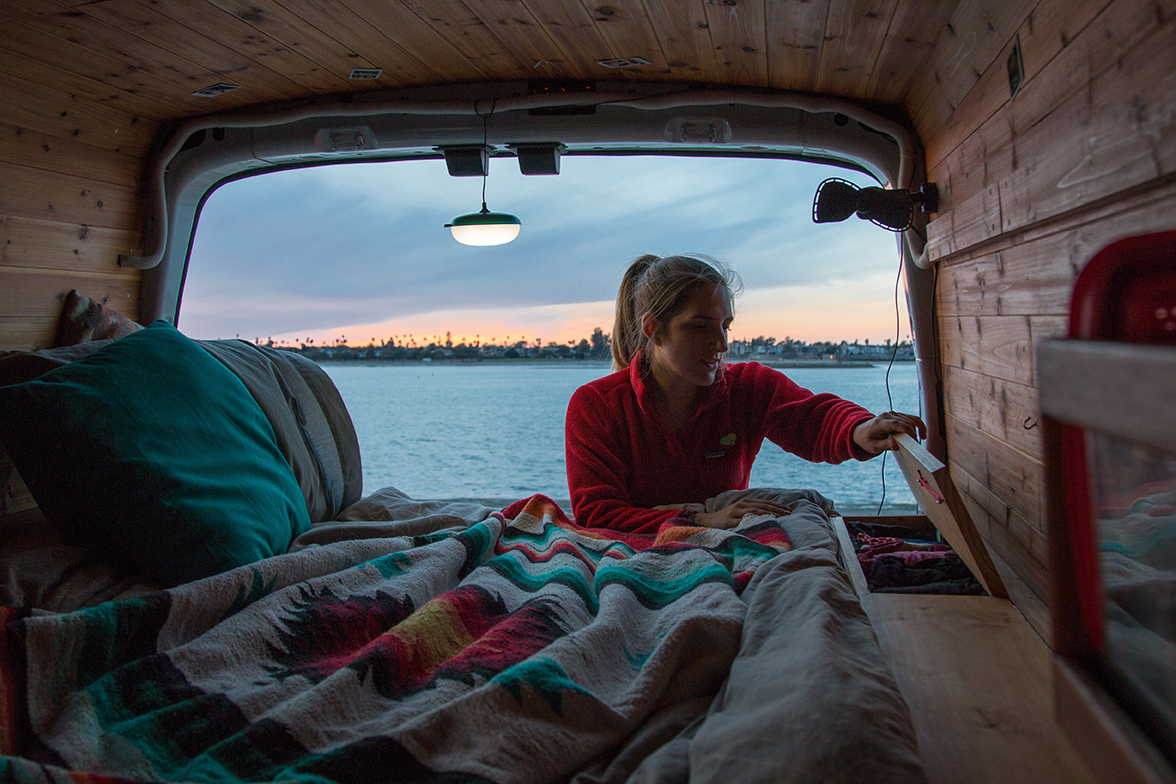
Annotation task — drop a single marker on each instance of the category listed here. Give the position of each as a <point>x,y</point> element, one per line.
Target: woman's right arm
<point>598,459</point>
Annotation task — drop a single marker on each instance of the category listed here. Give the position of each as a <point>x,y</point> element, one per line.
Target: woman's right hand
<point>731,515</point>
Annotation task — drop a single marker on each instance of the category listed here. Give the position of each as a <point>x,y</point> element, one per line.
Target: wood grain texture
<point>1050,26</point>
<point>855,34</point>
<point>67,155</point>
<point>325,58</point>
<point>70,247</point>
<point>739,36</point>
<point>57,101</point>
<point>1063,144</point>
<point>254,42</point>
<point>36,193</point>
<point>113,20</point>
<point>914,31</point>
<point>976,718</point>
<point>1009,536</point>
<point>571,26</point>
<point>972,40</point>
<point>686,43</point>
<point>1013,476</point>
<point>517,29</point>
<point>25,332</point>
<point>934,491</point>
<point>1003,409</point>
<point>468,35</point>
<point>148,75</point>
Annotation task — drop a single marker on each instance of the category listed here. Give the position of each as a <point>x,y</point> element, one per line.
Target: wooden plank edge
<point>956,526</point>
<point>1102,734</point>
<point>849,558</point>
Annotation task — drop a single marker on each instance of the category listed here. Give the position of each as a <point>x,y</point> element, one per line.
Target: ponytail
<point>627,337</point>
<point>659,287</point>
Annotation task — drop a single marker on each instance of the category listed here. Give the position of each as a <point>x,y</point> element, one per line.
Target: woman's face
<point>690,347</point>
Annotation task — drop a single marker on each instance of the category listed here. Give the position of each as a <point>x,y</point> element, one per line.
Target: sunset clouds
<point>360,251</point>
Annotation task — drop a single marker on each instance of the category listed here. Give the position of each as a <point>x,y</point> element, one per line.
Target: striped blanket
<point>519,648</point>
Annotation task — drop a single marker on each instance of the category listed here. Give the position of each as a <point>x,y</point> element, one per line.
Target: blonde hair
<point>659,287</point>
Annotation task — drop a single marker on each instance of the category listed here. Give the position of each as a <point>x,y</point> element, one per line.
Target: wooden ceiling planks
<point>570,26</point>
<point>157,44</point>
<point>380,34</point>
<point>327,58</point>
<point>257,46</point>
<point>161,92</point>
<point>855,33</point>
<point>513,25</point>
<point>685,37</point>
<point>739,33</point>
<point>914,31</point>
<point>147,57</point>
<point>30,104</point>
<point>170,35</point>
<point>625,28</point>
<point>469,35</point>
<point>125,48</point>
<point>796,35</point>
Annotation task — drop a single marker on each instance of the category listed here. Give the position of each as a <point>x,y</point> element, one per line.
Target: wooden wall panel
<point>1013,539</point>
<point>1005,410</point>
<point>36,193</point>
<point>69,205</point>
<point>973,38</point>
<point>1032,189</point>
<point>1047,29</point>
<point>1096,120</point>
<point>40,150</point>
<point>45,244</point>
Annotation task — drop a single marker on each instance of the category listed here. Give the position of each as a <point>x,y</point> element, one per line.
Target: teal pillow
<point>155,453</point>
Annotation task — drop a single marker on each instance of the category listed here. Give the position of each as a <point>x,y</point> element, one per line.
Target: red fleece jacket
<point>622,459</point>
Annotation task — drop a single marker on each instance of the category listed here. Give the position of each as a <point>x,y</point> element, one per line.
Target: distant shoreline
<point>784,364</point>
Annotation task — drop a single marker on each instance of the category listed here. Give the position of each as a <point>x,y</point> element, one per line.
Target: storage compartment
<point>976,719</point>
<point>906,555</point>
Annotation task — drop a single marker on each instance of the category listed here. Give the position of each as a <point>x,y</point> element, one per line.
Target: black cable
<point>889,367</point>
<point>485,142</point>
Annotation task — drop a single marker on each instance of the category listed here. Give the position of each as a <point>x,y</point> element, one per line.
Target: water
<point>494,430</point>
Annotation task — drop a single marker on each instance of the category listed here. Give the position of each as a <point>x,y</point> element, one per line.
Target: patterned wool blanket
<point>519,648</point>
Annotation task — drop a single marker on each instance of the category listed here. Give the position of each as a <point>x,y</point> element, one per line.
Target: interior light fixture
<point>484,228</point>
<point>892,209</point>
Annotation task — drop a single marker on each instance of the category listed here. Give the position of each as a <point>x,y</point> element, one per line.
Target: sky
<point>360,252</point>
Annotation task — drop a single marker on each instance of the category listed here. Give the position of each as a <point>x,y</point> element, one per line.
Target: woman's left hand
<point>877,435</point>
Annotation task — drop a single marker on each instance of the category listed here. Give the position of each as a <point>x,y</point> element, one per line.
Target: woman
<point>675,425</point>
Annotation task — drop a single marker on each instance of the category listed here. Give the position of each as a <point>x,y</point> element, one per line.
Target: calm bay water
<point>494,430</point>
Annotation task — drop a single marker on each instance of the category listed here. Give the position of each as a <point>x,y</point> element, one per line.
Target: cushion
<point>152,451</point>
<point>19,366</point>
<point>83,320</point>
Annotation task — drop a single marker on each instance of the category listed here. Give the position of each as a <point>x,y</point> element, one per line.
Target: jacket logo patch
<point>728,440</point>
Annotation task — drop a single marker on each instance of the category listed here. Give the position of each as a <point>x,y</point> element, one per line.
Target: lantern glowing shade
<point>485,228</point>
